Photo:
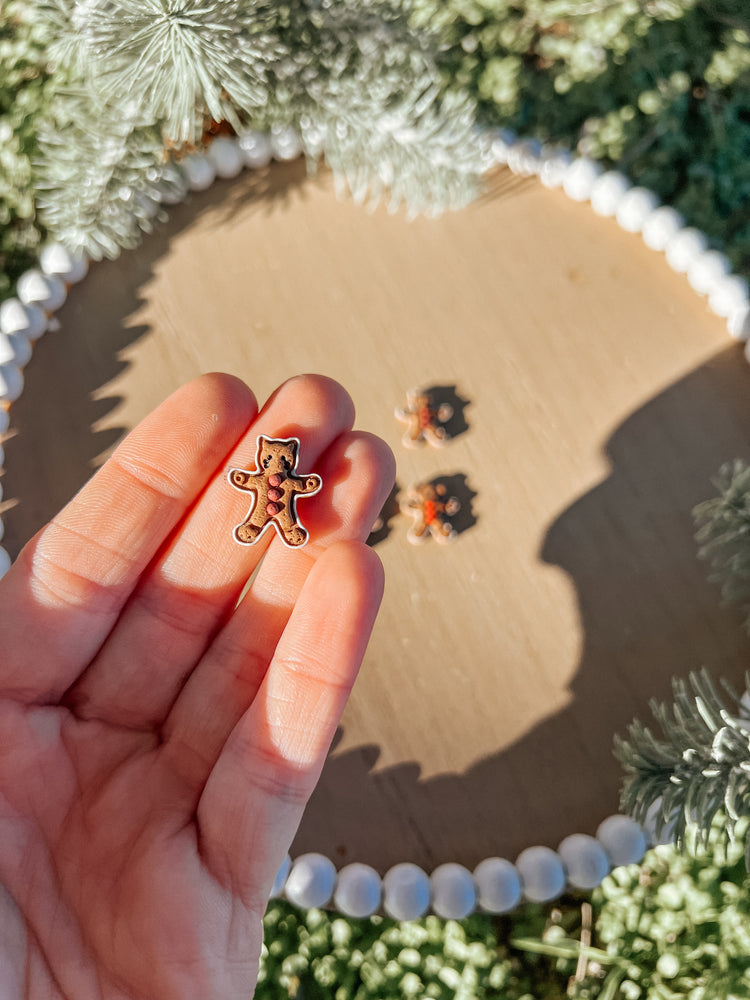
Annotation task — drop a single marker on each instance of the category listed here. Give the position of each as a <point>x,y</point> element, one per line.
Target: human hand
<point>158,740</point>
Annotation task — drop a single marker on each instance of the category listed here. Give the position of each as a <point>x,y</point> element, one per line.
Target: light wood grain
<point>599,397</point>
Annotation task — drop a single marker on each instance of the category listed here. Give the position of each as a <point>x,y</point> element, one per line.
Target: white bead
<point>498,885</point>
<point>11,382</point>
<point>661,226</point>
<point>502,143</point>
<point>43,290</point>
<point>685,247</point>
<point>585,860</point>
<point>580,178</point>
<point>285,142</point>
<point>358,891</point>
<point>255,148</point>
<point>729,294</point>
<point>4,420</point>
<point>281,876</point>
<point>738,323</point>
<point>622,839</point>
<point>635,208</point>
<point>199,171</point>
<point>608,192</point>
<point>57,261</point>
<point>311,881</point>
<point>406,892</point>
<point>225,157</point>
<point>454,894</point>
<point>4,562</point>
<point>706,270</point>
<point>542,874</point>
<point>15,348</point>
<point>15,317</point>
<point>525,157</point>
<point>554,166</point>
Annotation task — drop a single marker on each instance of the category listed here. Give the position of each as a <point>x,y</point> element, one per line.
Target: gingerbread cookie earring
<point>424,421</point>
<point>431,509</point>
<point>275,487</point>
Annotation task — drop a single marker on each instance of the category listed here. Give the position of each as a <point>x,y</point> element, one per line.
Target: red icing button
<point>275,494</point>
<point>275,479</point>
<point>272,509</point>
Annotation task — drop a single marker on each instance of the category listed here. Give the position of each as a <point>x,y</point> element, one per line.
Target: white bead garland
<point>498,885</point>
<point>580,177</point>
<point>281,876</point>
<point>199,171</point>
<point>454,895</point>
<point>622,839</point>
<point>15,317</point>
<point>358,891</point>
<point>585,861</point>
<point>635,207</point>
<point>542,874</point>
<point>225,157</point>
<point>35,288</point>
<point>311,881</point>
<point>684,248</point>
<point>608,192</point>
<point>406,892</point>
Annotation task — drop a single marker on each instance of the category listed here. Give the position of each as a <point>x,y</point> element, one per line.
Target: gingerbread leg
<point>293,532</point>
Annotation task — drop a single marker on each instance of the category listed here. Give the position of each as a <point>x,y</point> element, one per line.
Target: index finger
<point>66,590</point>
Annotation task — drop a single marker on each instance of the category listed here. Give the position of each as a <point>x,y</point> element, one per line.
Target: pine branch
<point>723,533</point>
<point>699,767</point>
<point>373,92</point>
<point>171,62</point>
<point>98,177</point>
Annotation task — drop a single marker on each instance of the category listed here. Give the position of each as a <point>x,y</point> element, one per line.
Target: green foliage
<point>723,534</point>
<point>314,955</point>
<point>699,768</point>
<point>165,61</point>
<point>673,927</point>
<point>23,96</point>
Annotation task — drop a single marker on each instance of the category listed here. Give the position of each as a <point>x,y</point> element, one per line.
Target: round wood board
<point>595,398</point>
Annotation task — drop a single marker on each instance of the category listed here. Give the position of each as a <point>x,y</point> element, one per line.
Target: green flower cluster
<point>23,97</point>
<point>676,926</point>
<point>315,954</point>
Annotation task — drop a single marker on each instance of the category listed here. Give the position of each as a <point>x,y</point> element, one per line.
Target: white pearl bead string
<point>406,892</point>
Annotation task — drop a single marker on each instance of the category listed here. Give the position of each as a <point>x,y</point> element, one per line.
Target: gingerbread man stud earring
<point>424,421</point>
<point>275,486</point>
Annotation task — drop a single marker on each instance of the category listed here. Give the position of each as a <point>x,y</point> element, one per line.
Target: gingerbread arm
<point>243,480</point>
<point>308,485</point>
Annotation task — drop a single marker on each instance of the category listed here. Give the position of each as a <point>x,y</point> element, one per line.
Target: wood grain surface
<point>595,398</point>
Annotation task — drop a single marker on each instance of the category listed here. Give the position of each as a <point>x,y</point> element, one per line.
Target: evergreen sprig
<point>698,767</point>
<point>373,90</point>
<point>97,181</point>
<point>723,534</point>
<point>171,62</point>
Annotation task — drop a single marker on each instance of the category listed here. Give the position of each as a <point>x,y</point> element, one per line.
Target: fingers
<point>254,798</point>
<point>358,472</point>
<point>64,594</point>
<point>194,584</point>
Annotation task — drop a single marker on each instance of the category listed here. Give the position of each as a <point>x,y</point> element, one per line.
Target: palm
<point>158,740</point>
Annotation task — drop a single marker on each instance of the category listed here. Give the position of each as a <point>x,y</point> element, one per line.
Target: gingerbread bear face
<point>275,487</point>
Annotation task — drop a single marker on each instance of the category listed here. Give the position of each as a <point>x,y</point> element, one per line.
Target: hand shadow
<point>647,614</point>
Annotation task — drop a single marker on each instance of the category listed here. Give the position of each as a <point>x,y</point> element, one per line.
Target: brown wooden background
<point>595,398</point>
